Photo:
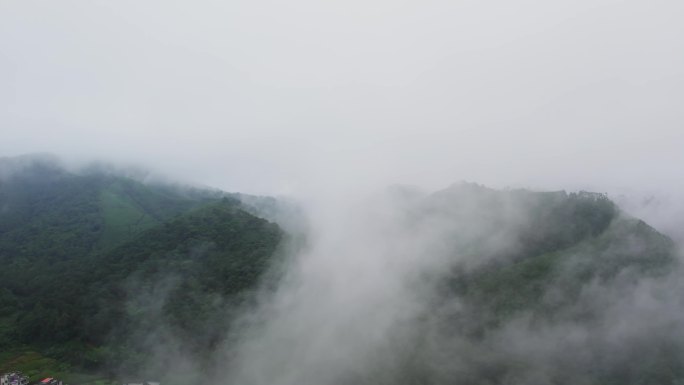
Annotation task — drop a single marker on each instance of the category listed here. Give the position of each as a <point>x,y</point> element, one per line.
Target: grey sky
<point>285,96</point>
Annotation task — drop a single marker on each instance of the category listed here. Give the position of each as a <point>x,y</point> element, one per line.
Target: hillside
<point>534,287</point>
<point>78,250</point>
<point>102,273</point>
<point>100,209</point>
<point>472,286</point>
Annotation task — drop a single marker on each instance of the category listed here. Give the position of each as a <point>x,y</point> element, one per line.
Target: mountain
<point>79,251</point>
<point>535,288</point>
<point>100,209</point>
<point>101,271</point>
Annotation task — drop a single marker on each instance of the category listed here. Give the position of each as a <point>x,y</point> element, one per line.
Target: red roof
<point>45,381</point>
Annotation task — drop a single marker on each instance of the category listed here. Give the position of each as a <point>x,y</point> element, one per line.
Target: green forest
<point>78,249</point>
<point>96,266</point>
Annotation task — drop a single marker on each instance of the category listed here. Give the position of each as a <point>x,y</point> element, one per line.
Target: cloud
<point>293,97</point>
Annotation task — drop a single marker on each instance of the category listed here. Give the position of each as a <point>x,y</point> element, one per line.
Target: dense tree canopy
<point>95,266</point>
<point>78,249</point>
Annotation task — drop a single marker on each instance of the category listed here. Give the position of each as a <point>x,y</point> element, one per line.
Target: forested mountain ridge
<point>43,201</point>
<point>534,287</point>
<point>101,270</point>
<point>72,245</point>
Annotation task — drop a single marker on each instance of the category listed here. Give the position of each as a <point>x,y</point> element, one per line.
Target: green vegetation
<point>575,243</point>
<point>36,367</point>
<point>80,254</point>
<point>97,268</point>
<point>569,240</point>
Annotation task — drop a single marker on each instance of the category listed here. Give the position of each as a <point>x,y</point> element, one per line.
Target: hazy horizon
<point>301,97</point>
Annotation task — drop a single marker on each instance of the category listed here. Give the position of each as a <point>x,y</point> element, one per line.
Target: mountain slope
<point>77,251</point>
<point>530,289</point>
<point>46,208</point>
<point>101,271</point>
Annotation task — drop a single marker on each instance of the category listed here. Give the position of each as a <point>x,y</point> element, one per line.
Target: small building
<point>14,378</point>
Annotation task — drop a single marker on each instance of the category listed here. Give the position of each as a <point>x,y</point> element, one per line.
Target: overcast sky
<point>279,96</point>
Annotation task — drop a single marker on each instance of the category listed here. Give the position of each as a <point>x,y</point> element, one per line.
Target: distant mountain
<point>534,288</point>
<point>545,242</point>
